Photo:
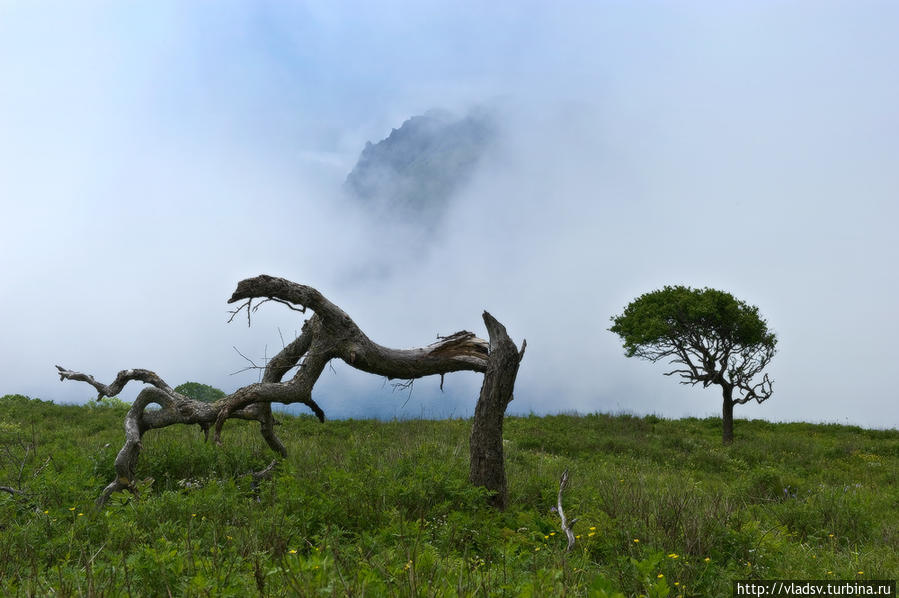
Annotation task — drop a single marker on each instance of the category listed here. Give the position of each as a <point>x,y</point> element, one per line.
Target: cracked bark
<point>328,334</point>
<point>487,465</point>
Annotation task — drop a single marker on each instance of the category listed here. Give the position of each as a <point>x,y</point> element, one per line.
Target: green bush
<point>200,392</point>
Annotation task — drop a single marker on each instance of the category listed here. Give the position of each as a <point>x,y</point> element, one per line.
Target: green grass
<point>384,508</point>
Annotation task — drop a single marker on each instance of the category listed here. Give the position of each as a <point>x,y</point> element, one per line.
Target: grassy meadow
<point>370,508</point>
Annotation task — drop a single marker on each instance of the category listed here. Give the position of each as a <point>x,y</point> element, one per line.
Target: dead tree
<point>487,465</point>
<point>328,334</point>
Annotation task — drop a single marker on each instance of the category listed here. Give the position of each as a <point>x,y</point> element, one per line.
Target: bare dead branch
<point>289,305</point>
<point>330,333</point>
<point>123,378</point>
<point>252,365</point>
<point>486,466</point>
<point>566,525</point>
<point>246,305</point>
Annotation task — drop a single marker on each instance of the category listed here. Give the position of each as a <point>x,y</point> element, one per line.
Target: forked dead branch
<point>328,334</point>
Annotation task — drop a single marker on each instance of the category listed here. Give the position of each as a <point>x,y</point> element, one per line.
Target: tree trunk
<point>330,333</point>
<point>727,414</point>
<point>486,467</point>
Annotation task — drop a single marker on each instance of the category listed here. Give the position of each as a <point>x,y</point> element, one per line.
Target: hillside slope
<point>384,508</point>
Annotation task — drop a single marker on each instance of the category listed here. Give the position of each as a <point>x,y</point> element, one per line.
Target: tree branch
<point>330,333</point>
<point>123,378</point>
<point>566,525</point>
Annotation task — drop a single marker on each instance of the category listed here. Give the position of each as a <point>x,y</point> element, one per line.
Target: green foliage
<point>678,314</point>
<point>200,392</point>
<point>110,403</point>
<point>384,508</point>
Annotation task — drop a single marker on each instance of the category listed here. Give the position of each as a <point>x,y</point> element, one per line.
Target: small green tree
<point>200,392</point>
<point>711,337</point>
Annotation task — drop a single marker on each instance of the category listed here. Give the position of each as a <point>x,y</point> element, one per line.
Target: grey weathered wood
<point>566,524</point>
<point>328,334</point>
<point>487,467</point>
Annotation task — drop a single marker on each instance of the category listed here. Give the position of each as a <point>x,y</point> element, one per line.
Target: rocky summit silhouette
<point>414,172</point>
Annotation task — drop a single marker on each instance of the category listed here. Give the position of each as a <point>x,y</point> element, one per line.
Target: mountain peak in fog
<point>414,172</point>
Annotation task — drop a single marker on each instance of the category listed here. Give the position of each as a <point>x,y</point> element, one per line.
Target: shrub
<point>200,392</point>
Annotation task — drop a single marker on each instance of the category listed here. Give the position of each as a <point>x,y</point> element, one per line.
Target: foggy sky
<point>153,154</point>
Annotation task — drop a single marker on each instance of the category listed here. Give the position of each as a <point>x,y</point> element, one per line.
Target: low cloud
<point>150,161</point>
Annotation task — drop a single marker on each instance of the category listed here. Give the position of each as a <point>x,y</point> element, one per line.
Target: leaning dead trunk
<point>330,333</point>
<point>487,466</point>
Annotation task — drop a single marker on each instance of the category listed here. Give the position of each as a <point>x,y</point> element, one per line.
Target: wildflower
<point>830,572</point>
<point>636,540</point>
<point>292,551</point>
<point>677,583</point>
<point>861,572</point>
<point>46,512</point>
<point>537,549</point>
<point>591,534</point>
<point>552,533</point>
<point>577,537</point>
<point>81,514</point>
<point>830,535</point>
<point>707,559</point>
<point>672,555</point>
<point>593,529</point>
<point>193,514</point>
<point>660,575</point>
<point>71,508</point>
<point>546,537</point>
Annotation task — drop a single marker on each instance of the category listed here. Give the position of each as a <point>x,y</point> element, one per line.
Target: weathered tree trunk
<point>330,333</point>
<point>727,414</point>
<point>487,467</point>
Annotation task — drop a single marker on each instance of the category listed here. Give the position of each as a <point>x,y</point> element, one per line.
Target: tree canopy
<point>200,392</point>
<point>709,336</point>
